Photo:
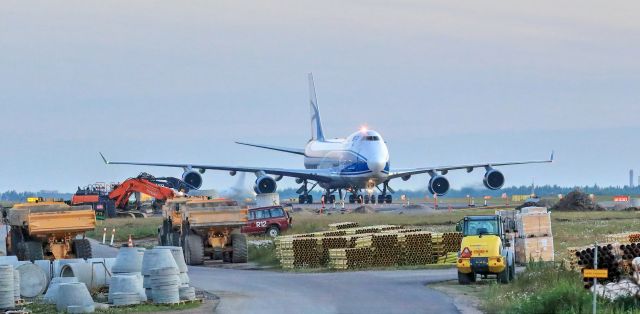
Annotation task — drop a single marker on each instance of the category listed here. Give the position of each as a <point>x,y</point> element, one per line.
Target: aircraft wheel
<point>388,199</point>
<point>352,199</point>
<point>309,199</point>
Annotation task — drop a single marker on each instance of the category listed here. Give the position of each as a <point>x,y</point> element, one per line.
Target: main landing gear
<point>305,197</point>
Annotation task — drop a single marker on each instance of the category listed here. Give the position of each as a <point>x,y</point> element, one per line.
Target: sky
<point>444,82</point>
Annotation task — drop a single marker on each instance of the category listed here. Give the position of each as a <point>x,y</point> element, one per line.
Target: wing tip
<point>551,158</point>
<point>106,162</point>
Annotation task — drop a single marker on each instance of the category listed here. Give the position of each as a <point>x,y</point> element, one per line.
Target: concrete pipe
<point>157,258</point>
<point>129,260</point>
<point>125,298</point>
<point>33,280</point>
<point>7,300</point>
<point>94,275</point>
<point>178,256</point>
<point>52,292</point>
<point>45,265</point>
<point>8,260</point>
<point>16,284</point>
<point>127,283</point>
<point>73,294</point>
<point>187,293</point>
<point>57,264</point>
<point>165,285</point>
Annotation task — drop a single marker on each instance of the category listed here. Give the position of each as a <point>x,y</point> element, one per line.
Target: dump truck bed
<point>227,216</point>
<point>45,218</point>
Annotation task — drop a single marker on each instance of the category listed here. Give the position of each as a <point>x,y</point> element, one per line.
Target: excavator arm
<point>122,192</point>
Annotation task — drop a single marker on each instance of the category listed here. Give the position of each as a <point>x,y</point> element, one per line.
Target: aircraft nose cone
<point>376,166</point>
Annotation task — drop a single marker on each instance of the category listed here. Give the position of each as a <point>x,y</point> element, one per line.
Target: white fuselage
<point>359,161</point>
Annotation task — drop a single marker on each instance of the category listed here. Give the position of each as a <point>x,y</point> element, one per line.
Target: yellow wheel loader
<point>485,250</point>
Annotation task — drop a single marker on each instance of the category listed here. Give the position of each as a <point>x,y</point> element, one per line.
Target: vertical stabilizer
<point>316,123</point>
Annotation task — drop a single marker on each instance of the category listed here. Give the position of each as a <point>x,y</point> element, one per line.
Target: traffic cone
<point>130,244</point>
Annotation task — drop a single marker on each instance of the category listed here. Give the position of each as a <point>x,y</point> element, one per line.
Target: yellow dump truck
<point>48,229</point>
<point>205,227</point>
<point>485,249</point>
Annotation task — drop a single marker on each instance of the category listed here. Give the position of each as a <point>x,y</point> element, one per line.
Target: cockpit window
<point>371,138</point>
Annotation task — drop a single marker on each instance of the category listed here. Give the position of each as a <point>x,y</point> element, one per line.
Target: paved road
<point>261,291</point>
<point>252,291</point>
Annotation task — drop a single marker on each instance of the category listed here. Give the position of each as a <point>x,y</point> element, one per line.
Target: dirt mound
<point>364,210</point>
<point>576,201</point>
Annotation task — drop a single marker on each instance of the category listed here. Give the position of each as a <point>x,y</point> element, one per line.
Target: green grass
<point>263,255</point>
<point>544,288</point>
<point>40,308</point>
<point>307,222</point>
<point>138,228</point>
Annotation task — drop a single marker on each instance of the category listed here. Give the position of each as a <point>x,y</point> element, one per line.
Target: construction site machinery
<point>97,196</point>
<point>122,192</point>
<point>49,230</point>
<point>485,249</point>
<point>205,227</point>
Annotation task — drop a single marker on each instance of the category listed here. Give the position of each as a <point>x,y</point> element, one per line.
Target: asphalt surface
<point>253,291</point>
<point>244,290</point>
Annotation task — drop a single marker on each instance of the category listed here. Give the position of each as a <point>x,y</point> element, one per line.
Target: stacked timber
<point>535,239</point>
<point>342,225</point>
<point>352,258</point>
<point>415,247</point>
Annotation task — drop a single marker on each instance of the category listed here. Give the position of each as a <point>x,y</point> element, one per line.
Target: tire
<point>174,238</point>
<point>30,251</point>
<point>388,199</point>
<point>465,279</point>
<point>503,277</point>
<point>273,231</point>
<point>240,251</point>
<point>332,199</point>
<point>309,199</point>
<point>380,199</point>
<point>512,272</point>
<point>82,248</point>
<point>366,199</point>
<point>352,199</point>
<point>301,199</point>
<point>194,250</point>
<point>162,238</point>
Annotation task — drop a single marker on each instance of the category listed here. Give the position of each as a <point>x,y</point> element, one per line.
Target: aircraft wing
<point>398,173</point>
<point>319,175</point>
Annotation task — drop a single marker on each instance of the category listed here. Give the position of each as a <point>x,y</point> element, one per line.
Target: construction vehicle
<point>97,196</point>
<point>111,200</point>
<point>485,249</point>
<point>205,227</point>
<point>49,229</point>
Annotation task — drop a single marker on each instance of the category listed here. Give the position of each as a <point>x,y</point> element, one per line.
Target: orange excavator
<point>161,189</point>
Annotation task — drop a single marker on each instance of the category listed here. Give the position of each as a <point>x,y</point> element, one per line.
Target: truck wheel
<point>194,250</point>
<point>161,236</point>
<point>465,279</point>
<point>82,248</point>
<point>512,272</point>
<point>273,231</point>
<point>175,238</point>
<point>240,253</point>
<point>30,251</point>
<point>503,277</point>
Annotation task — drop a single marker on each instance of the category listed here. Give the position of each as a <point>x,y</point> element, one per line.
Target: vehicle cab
<point>484,249</point>
<point>271,220</point>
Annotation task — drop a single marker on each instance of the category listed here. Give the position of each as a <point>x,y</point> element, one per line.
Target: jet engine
<point>493,179</point>
<point>265,184</point>
<point>438,185</point>
<point>192,178</point>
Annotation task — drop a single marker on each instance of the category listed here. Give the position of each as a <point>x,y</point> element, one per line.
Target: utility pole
<point>595,279</point>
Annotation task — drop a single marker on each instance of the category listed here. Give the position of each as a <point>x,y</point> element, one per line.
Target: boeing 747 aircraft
<point>360,161</point>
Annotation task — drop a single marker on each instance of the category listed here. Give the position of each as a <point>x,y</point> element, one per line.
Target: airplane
<point>360,161</point>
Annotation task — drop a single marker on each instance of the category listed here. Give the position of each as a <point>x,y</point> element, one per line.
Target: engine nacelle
<point>438,185</point>
<point>265,184</point>
<point>192,178</point>
<point>493,179</point>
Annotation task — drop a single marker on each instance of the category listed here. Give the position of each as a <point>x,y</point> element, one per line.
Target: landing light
<point>363,129</point>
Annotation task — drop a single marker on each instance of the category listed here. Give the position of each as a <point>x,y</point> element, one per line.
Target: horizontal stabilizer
<point>296,151</point>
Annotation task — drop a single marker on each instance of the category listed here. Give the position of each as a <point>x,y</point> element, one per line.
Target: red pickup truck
<point>271,220</point>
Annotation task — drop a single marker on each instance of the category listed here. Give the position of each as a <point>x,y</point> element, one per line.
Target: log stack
<point>342,225</point>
